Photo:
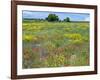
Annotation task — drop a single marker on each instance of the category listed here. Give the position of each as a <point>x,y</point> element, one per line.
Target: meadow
<point>55,44</point>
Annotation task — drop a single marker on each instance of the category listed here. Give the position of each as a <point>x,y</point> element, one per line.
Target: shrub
<point>73,36</point>
<point>78,41</point>
<point>67,19</point>
<point>29,38</point>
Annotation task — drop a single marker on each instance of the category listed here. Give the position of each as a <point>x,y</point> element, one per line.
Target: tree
<point>52,17</point>
<point>67,19</point>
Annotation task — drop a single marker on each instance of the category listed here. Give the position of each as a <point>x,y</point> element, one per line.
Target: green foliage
<point>55,60</point>
<point>49,46</point>
<point>27,38</point>
<point>52,17</point>
<point>79,59</point>
<point>55,44</point>
<point>67,19</point>
<point>73,36</point>
<point>30,58</point>
<point>30,38</point>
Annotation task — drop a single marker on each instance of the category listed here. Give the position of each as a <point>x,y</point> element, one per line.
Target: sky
<point>61,15</point>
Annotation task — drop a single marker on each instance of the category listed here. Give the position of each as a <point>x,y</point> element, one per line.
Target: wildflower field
<point>55,44</point>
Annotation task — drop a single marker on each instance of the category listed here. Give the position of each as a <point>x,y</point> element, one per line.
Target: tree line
<point>52,18</point>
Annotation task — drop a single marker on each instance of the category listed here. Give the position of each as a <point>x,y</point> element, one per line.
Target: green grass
<point>55,44</point>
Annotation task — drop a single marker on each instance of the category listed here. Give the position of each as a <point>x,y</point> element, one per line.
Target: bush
<point>73,36</point>
<point>29,38</point>
<point>67,19</point>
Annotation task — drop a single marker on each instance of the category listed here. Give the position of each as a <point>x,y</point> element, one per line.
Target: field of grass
<point>55,44</point>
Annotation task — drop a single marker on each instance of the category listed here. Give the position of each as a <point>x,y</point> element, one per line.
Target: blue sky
<point>61,15</point>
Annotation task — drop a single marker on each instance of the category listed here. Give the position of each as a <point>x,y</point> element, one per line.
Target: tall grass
<point>55,44</point>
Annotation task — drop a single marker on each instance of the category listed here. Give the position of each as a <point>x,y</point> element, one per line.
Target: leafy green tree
<point>52,17</point>
<point>67,19</point>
